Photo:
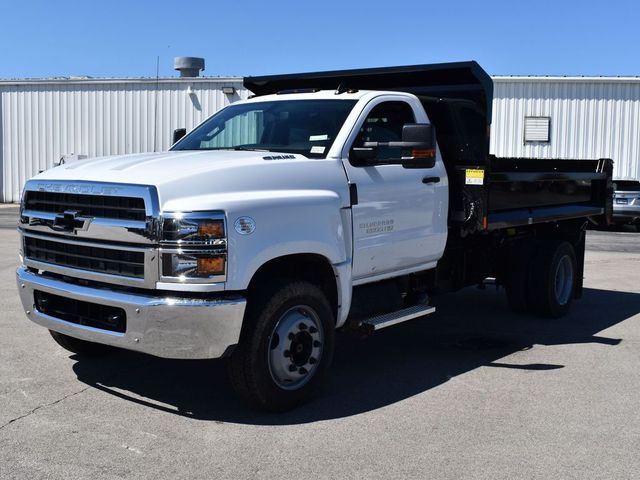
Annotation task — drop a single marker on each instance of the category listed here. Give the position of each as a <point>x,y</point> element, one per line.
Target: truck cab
<point>389,232</point>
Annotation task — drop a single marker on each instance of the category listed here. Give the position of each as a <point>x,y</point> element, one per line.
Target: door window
<point>384,124</point>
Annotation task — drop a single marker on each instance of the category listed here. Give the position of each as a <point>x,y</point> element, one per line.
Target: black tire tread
<point>542,297</point>
<point>244,376</point>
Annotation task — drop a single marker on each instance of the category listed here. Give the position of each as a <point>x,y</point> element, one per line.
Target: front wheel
<point>286,346</point>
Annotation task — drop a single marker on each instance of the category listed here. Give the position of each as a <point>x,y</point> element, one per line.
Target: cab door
<point>400,218</point>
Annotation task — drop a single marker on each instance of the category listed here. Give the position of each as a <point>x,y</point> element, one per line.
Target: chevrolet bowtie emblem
<point>70,222</point>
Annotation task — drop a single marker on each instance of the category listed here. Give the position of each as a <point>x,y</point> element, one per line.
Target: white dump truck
<point>330,200</point>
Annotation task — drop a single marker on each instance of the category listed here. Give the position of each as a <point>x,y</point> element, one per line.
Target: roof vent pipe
<point>188,66</point>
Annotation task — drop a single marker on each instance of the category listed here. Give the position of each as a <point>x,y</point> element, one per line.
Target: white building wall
<point>43,120</point>
<point>597,117</point>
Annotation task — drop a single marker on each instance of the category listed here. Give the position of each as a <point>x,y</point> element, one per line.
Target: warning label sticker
<point>473,177</point>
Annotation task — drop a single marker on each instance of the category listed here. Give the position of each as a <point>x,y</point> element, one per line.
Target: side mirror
<point>418,147</point>
<point>178,133</point>
<point>419,141</point>
<point>419,135</point>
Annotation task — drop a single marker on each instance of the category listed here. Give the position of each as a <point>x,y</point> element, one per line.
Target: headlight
<point>193,247</point>
<point>192,265</point>
<point>192,228</point>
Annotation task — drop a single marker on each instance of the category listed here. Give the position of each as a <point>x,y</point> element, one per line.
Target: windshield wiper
<point>249,149</point>
<point>239,148</point>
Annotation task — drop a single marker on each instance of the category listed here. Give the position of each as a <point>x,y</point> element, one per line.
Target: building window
<point>536,129</point>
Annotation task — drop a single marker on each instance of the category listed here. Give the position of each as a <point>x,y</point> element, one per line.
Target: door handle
<point>431,180</point>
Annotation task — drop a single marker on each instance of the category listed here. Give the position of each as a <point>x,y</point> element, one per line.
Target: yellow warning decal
<point>473,176</point>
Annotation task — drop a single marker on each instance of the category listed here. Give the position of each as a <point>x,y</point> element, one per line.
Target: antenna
<point>155,106</point>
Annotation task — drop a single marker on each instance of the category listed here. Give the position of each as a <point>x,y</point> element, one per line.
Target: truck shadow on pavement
<point>472,329</point>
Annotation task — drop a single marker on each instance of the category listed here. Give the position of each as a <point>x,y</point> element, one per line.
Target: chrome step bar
<point>393,318</point>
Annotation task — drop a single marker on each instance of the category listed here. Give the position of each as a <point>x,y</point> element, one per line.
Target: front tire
<point>80,347</point>
<point>286,346</point>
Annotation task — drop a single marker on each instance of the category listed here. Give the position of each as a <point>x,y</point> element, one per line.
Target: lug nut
<point>312,360</point>
<point>290,336</point>
<point>302,326</point>
<point>287,353</point>
<point>292,368</point>
<point>316,343</point>
<point>313,330</point>
<point>302,371</point>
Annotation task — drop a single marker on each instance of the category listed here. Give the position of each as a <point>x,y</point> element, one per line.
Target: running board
<point>388,319</point>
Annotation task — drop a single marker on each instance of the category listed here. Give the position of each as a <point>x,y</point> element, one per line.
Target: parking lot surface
<point>471,392</point>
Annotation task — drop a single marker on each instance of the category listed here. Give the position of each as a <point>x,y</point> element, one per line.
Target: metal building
<point>569,117</point>
<point>42,121</point>
<point>541,117</point>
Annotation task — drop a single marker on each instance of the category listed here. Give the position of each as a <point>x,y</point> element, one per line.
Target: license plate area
<point>621,201</point>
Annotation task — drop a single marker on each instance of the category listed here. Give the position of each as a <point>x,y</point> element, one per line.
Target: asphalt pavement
<point>471,392</point>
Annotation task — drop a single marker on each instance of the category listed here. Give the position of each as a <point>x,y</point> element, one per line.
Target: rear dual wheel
<point>543,282</point>
<point>553,279</point>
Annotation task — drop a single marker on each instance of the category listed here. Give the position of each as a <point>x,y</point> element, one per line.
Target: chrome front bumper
<point>169,327</point>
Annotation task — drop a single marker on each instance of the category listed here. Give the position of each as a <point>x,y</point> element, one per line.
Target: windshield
<point>308,127</point>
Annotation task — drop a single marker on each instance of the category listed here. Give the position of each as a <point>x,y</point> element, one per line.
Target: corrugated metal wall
<point>43,120</point>
<point>590,118</point>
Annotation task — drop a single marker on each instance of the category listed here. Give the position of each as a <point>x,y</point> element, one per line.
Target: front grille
<point>96,259</point>
<point>120,208</point>
<point>81,313</point>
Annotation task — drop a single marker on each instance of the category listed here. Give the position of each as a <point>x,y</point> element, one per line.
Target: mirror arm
<point>399,144</point>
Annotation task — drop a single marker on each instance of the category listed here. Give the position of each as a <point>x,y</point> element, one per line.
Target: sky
<point>117,38</point>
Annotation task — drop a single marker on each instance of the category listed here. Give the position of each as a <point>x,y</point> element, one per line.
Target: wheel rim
<point>295,347</point>
<point>564,280</point>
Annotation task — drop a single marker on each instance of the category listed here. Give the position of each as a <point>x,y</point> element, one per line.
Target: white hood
<point>181,174</point>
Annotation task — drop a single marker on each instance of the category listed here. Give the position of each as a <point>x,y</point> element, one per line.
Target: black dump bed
<point>486,192</point>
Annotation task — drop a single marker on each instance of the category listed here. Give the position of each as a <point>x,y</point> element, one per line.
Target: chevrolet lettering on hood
<point>86,189</point>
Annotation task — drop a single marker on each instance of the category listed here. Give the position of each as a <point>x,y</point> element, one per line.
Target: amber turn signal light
<point>210,265</point>
<point>423,152</point>
<point>211,229</point>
